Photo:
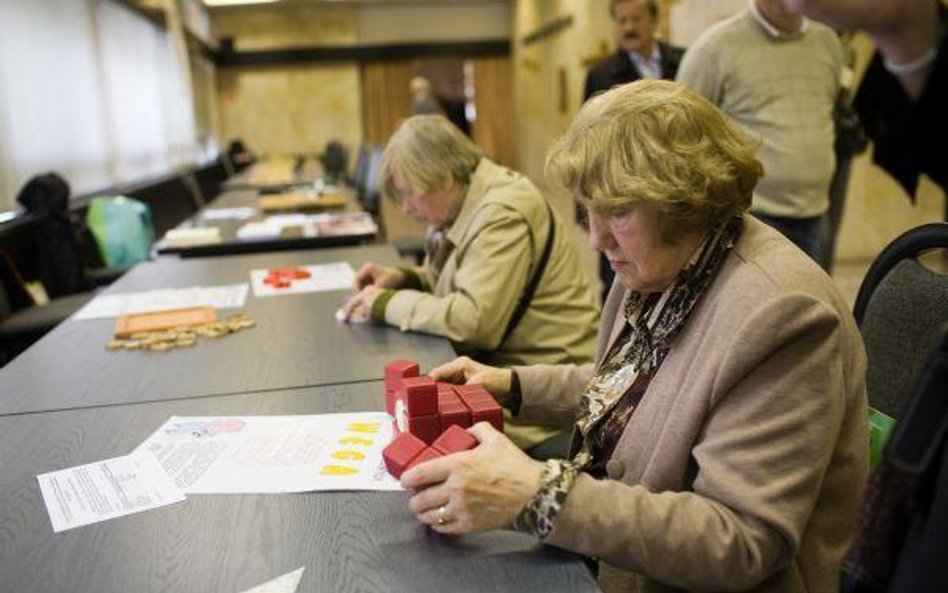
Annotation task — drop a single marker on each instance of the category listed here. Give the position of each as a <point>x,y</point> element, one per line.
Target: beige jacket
<point>498,237</point>
<point>744,464</point>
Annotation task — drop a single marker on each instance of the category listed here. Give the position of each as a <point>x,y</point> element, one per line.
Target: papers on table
<point>106,489</point>
<point>287,583</point>
<point>240,213</point>
<point>192,236</point>
<point>273,454</point>
<point>113,305</point>
<point>322,278</point>
<point>309,225</point>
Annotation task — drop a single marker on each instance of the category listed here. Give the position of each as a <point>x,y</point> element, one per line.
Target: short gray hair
<point>425,152</point>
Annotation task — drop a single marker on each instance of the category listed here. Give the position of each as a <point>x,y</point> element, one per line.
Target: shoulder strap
<point>531,287</point>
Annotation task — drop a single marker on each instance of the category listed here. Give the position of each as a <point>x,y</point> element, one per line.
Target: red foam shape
<point>451,411</point>
<point>484,410</point>
<point>420,396</point>
<point>401,368</point>
<point>426,428</point>
<point>473,389</point>
<point>454,440</point>
<point>399,454</point>
<point>426,455</point>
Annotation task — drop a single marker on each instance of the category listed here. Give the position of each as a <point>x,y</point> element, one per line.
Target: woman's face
<point>632,242</point>
<point>436,207</point>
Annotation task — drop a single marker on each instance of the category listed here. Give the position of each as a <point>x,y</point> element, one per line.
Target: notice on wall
<point>106,489</point>
<point>274,454</point>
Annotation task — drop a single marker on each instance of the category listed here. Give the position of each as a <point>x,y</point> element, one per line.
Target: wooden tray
<point>126,325</point>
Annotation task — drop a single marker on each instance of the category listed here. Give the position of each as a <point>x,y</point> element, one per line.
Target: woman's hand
<point>359,307</point>
<point>485,488</point>
<point>465,370</point>
<point>381,276</point>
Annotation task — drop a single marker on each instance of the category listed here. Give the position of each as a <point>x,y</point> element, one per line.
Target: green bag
<point>880,428</point>
<point>122,229</point>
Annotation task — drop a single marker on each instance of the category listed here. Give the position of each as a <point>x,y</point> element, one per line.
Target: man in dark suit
<point>638,55</point>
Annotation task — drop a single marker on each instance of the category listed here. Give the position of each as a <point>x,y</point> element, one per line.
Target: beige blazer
<point>497,239</point>
<point>743,466</point>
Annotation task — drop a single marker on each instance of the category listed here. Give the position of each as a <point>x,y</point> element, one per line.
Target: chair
<point>900,306</point>
<point>903,522</point>
<point>209,178</point>
<point>21,321</point>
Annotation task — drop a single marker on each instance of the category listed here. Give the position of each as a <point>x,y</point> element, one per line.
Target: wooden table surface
<point>297,342</point>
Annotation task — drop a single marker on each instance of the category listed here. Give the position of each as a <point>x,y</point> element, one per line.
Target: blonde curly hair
<point>658,143</point>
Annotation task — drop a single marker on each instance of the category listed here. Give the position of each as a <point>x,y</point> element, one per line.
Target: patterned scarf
<point>654,320</point>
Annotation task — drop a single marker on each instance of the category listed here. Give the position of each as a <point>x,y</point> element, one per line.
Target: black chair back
<point>900,307</point>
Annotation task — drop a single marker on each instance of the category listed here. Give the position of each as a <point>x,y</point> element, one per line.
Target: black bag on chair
<point>56,244</point>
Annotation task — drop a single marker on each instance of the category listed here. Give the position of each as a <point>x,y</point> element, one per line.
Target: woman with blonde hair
<point>719,440</point>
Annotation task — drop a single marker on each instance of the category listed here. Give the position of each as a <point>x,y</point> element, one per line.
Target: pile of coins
<point>182,337</point>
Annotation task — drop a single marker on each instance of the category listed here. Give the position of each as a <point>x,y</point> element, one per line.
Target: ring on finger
<point>442,516</point>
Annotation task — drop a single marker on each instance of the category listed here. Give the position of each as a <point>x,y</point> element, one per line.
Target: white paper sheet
<point>239,213</point>
<point>272,454</point>
<point>287,583</point>
<point>113,305</point>
<point>323,278</point>
<point>106,489</point>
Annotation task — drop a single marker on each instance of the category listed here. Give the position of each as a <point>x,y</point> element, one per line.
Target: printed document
<point>106,489</point>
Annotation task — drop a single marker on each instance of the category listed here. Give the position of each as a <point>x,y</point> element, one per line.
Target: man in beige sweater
<point>776,75</point>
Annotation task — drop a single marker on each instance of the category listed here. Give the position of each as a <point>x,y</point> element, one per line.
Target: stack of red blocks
<point>407,450</point>
<point>425,410</point>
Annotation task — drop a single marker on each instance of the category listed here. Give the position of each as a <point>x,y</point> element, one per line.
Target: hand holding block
<point>454,440</point>
<point>399,454</point>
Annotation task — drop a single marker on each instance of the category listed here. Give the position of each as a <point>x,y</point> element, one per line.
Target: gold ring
<point>443,517</point>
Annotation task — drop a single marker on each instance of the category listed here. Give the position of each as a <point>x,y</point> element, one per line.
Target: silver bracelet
<point>913,67</point>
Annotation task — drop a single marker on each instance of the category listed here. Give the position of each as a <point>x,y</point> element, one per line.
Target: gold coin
<point>159,346</point>
<point>139,335</point>
<point>133,344</point>
<point>115,345</point>
<point>185,343</point>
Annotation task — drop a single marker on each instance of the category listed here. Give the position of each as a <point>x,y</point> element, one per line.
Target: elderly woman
<point>502,280</point>
<point>720,438</point>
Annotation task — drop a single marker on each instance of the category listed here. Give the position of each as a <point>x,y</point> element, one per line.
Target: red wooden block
<point>454,440</point>
<point>394,372</point>
<point>473,389</point>
<point>483,410</point>
<point>420,396</point>
<point>399,454</point>
<point>426,428</point>
<point>426,455</point>
<point>401,368</point>
<point>451,411</point>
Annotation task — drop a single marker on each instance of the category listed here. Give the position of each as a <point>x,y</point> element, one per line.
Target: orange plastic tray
<point>126,325</point>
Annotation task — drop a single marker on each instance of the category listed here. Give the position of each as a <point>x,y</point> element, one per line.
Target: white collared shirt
<point>772,30</point>
<point>651,67</point>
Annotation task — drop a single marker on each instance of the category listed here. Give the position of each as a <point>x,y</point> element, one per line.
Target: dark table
<point>297,342</point>
<point>230,244</point>
<point>348,541</point>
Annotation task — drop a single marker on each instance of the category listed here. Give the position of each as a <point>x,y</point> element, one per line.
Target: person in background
<point>903,94</point>
<point>638,55</point>
<point>720,436</point>
<point>423,101</point>
<point>777,76</point>
<point>501,278</point>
